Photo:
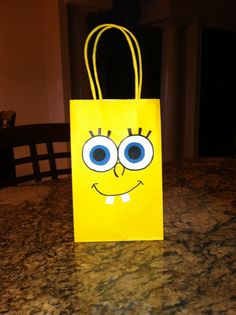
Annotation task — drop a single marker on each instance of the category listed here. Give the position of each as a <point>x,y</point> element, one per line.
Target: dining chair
<point>34,145</point>
<point>7,118</point>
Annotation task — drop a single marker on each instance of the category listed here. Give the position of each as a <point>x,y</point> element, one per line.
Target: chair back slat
<point>52,160</point>
<point>35,162</point>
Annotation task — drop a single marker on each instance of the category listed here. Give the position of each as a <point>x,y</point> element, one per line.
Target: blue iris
<point>134,152</point>
<point>99,155</point>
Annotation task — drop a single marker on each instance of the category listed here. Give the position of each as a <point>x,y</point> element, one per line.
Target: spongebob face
<point>102,154</point>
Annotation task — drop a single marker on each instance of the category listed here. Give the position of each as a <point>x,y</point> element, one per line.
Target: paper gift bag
<point>116,159</point>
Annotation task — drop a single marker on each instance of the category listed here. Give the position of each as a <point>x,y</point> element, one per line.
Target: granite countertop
<point>193,271</point>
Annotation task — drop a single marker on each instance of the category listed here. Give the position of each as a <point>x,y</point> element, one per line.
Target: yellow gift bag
<point>116,159</point>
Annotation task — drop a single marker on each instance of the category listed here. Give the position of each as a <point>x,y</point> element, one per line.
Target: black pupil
<point>134,152</point>
<point>99,155</point>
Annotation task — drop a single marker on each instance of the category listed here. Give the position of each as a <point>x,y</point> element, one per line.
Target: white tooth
<point>125,197</point>
<point>110,200</point>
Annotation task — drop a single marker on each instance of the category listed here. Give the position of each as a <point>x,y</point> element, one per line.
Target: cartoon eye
<point>135,152</point>
<point>100,153</point>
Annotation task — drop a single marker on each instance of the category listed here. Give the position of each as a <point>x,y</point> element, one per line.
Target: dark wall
<point>217,129</point>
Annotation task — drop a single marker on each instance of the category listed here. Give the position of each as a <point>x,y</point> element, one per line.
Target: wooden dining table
<point>193,271</point>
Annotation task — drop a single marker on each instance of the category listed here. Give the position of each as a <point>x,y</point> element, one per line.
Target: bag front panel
<point>116,170</point>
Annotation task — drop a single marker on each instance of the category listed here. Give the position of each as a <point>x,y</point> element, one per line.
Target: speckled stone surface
<point>192,272</point>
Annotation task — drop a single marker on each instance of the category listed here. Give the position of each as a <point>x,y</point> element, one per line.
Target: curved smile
<point>124,195</point>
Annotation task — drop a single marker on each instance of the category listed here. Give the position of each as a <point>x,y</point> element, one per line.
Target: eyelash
<point>130,133</point>
<point>99,133</point>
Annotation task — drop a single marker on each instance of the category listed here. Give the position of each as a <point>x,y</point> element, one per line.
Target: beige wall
<point>30,61</point>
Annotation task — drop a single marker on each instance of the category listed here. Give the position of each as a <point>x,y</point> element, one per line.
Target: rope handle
<point>132,42</point>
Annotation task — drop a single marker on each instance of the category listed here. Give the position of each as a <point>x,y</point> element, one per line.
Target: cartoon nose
<point>119,170</point>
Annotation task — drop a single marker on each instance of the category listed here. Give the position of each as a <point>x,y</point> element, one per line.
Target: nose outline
<point>116,172</point>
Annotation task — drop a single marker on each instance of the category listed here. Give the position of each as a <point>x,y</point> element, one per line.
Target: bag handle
<point>132,42</point>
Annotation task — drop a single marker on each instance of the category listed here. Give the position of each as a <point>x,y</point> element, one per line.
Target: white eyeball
<point>135,152</point>
<point>100,153</point>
